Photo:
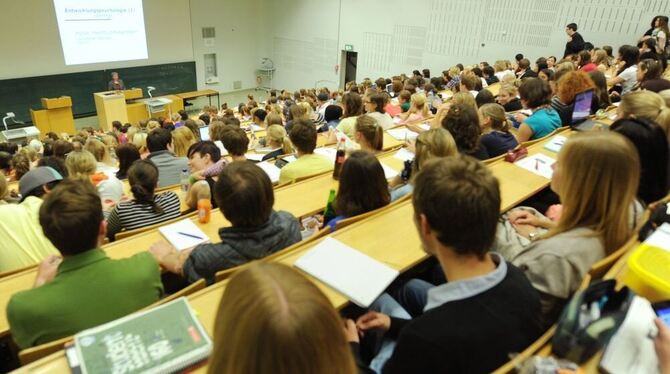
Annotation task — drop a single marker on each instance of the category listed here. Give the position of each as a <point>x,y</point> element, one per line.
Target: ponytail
<point>143,176</point>
<point>371,131</point>
<point>286,146</point>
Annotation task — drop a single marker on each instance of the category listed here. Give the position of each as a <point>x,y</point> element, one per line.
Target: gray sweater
<point>241,245</point>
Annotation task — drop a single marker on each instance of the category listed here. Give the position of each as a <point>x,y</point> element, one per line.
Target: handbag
<point>515,155</point>
<point>589,320</point>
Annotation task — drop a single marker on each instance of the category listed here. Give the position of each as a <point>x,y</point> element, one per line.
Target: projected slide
<point>101,30</point>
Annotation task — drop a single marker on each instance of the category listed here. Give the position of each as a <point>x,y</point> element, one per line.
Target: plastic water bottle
<point>184,180</point>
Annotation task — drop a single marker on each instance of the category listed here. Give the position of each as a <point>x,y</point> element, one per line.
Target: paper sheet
<point>271,170</point>
<point>402,134</point>
<point>404,155</point>
<point>183,234</point>
<point>556,143</point>
<point>359,277</point>
<point>538,164</point>
<point>388,171</point>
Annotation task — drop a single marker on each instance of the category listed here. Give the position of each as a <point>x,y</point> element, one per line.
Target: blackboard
<point>21,94</point>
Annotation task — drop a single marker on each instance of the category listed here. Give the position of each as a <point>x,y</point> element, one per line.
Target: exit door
<point>349,62</point>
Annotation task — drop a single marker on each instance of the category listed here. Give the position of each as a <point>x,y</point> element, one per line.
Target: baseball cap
<point>37,177</point>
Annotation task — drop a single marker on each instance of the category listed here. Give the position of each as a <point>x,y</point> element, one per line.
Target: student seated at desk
<point>182,139</point>
<point>146,208</point>
<point>648,105</point>
<point>462,121</point>
<point>126,154</point>
<point>508,98</point>
<point>277,139</point>
<point>570,84</point>
<point>419,109</point>
<point>203,156</point>
<point>85,288</point>
<point>352,106</point>
<point>272,319</point>
<point>82,165</point>
<point>369,134</point>
<point>469,84</point>
<point>170,167</point>
<point>363,187</point>
<point>332,116</point>
<point>486,310</point>
<point>430,144</point>
<point>649,76</point>
<point>598,216</point>
<point>245,196</point>
<point>626,76</point>
<point>535,95</point>
<point>652,147</point>
<point>496,135</point>
<point>375,107</point>
<point>23,242</point>
<point>303,136</point>
<point>584,62</point>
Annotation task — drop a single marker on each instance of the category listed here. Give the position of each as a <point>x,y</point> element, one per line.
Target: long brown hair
<point>143,178</point>
<point>272,319</point>
<point>597,194</point>
<point>371,131</point>
<point>363,186</point>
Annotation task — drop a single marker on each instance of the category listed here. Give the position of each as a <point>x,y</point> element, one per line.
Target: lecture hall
<point>335,186</point>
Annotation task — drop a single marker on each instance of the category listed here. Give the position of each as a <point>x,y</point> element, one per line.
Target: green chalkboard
<point>21,94</point>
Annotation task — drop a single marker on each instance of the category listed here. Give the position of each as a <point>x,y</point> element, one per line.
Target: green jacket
<point>90,289</point>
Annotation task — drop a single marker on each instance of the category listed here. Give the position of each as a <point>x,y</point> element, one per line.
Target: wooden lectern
<point>111,106</point>
<point>56,116</point>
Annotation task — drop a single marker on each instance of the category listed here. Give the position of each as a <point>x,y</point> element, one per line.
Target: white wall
<point>394,36</point>
<point>30,44</point>
<point>237,42</point>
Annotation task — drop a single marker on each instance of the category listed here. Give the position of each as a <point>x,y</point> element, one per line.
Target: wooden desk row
<point>389,237</point>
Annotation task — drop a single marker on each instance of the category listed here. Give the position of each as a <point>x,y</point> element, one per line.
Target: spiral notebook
<point>164,339</point>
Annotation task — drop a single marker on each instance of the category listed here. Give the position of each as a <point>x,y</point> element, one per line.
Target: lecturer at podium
<point>116,84</point>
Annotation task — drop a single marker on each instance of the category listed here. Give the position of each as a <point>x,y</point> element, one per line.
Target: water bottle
<point>339,158</point>
<point>184,180</point>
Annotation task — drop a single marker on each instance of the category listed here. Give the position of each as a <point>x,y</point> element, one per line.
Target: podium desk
<point>56,116</point>
<point>111,106</point>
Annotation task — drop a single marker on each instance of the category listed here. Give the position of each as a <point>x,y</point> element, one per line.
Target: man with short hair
<point>322,102</point>
<point>303,136</point>
<point>22,242</point>
<point>575,42</point>
<point>524,69</point>
<point>170,167</point>
<point>244,194</point>
<point>488,308</point>
<point>85,288</point>
<point>116,83</point>
<point>258,117</point>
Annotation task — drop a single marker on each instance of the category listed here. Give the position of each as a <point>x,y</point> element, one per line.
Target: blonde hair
<point>130,133</point>
<point>418,100</point>
<point>272,319</point>
<point>510,89</point>
<point>665,94</point>
<point>371,131</point>
<point>509,79</point>
<point>80,164</point>
<point>464,98</point>
<point>182,139</point>
<point>600,58</point>
<point>565,65</point>
<point>496,113</point>
<point>648,105</point>
<point>277,134</point>
<point>109,140</point>
<point>4,189</point>
<point>500,66</point>
<point>151,125</point>
<point>99,150</point>
<point>454,71</point>
<point>597,194</point>
<point>309,111</point>
<point>140,141</point>
<point>431,144</point>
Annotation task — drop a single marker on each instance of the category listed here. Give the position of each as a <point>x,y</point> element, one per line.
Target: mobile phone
<point>662,309</point>
<point>281,163</point>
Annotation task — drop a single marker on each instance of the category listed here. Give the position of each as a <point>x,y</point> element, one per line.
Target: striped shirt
<point>130,215</point>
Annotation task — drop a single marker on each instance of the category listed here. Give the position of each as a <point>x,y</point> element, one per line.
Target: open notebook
<point>357,276</point>
<point>183,234</point>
